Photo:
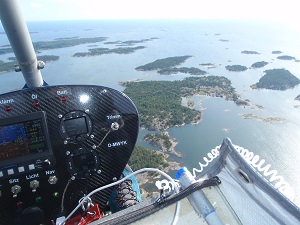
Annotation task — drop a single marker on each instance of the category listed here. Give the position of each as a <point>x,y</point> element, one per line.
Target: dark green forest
<point>102,51</point>
<point>145,158</point>
<point>236,68</point>
<point>277,79</point>
<point>188,70</point>
<point>159,102</point>
<point>163,63</point>
<point>155,139</point>
<point>259,64</point>
<point>58,43</point>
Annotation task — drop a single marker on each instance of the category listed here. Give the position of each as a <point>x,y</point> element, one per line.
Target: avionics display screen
<point>76,126</point>
<point>21,139</point>
<point>84,162</point>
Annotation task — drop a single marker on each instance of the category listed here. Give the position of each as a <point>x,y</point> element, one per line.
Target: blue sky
<point>276,10</point>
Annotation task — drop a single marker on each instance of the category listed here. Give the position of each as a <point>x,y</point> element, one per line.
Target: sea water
<point>208,41</point>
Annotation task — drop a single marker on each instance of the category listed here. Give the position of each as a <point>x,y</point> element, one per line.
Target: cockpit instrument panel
<point>61,142</point>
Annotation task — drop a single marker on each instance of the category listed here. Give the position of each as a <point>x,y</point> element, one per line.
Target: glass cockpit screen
<point>25,138</point>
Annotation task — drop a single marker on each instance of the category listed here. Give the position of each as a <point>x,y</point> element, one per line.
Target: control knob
<point>34,185</point>
<point>16,189</point>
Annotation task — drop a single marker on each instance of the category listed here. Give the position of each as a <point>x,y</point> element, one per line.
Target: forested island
<point>61,43</point>
<point>236,68</point>
<point>130,42</point>
<point>102,51</point>
<point>160,64</point>
<point>250,52</point>
<point>259,64</point>
<point>277,79</point>
<point>10,66</point>
<point>286,57</point>
<point>66,38</point>
<point>277,52</point>
<point>159,102</point>
<point>188,70</point>
<point>209,65</point>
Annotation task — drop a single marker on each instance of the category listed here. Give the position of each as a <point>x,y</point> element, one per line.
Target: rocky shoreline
<point>164,141</point>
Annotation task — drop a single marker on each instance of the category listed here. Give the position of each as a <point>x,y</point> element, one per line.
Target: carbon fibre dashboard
<point>49,136</point>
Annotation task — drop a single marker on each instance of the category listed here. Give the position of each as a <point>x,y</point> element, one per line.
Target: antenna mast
<point>18,35</point>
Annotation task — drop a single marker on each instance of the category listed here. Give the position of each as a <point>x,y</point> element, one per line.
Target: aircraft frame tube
<point>20,41</point>
<point>198,200</point>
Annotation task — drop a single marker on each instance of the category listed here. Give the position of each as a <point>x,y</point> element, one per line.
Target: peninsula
<point>163,63</point>
<point>236,68</point>
<point>259,64</point>
<point>163,141</point>
<point>102,51</point>
<point>159,102</point>
<point>277,79</point>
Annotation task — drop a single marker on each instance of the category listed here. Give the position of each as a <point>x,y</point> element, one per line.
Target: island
<point>102,51</point>
<point>263,119</point>
<point>163,63</point>
<point>10,66</point>
<point>130,42</point>
<point>159,102</point>
<point>259,64</point>
<point>66,38</point>
<point>249,52</point>
<point>236,68</point>
<point>61,43</point>
<point>188,70</point>
<point>277,79</point>
<point>223,40</point>
<point>286,57</point>
<point>277,52</point>
<point>209,65</point>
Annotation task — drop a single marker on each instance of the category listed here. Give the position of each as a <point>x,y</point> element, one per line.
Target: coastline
<point>161,144</point>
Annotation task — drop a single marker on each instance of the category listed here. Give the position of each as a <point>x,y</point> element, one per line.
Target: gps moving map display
<point>21,139</point>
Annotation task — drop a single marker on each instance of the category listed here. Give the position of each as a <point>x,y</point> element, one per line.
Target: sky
<point>274,10</point>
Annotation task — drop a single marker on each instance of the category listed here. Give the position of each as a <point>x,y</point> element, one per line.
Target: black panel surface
<point>80,119</point>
